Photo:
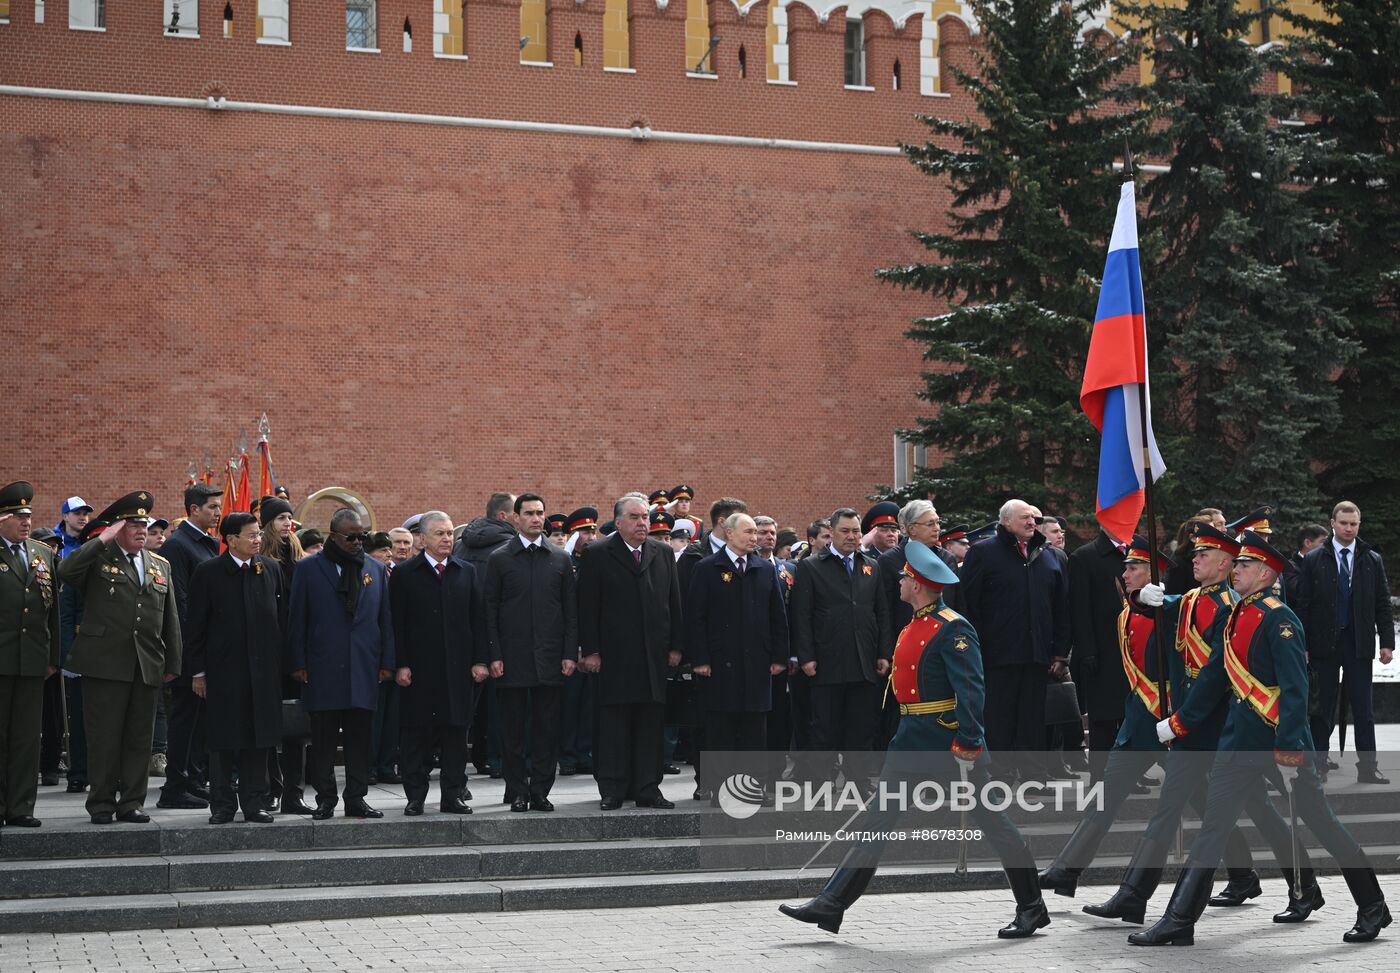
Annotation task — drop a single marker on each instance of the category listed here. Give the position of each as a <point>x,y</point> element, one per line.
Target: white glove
<point>1164,732</point>
<point>1151,594</point>
<point>1290,774</point>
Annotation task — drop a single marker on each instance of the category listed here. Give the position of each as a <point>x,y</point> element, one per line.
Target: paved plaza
<point>897,933</point>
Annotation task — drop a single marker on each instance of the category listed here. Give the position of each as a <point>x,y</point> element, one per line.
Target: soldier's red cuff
<point>1177,727</point>
<point>968,754</point>
<point>1288,758</point>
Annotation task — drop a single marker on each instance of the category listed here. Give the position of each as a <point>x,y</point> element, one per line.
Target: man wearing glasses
<point>341,647</point>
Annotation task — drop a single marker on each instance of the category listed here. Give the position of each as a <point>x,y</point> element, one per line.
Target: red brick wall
<point>430,313</point>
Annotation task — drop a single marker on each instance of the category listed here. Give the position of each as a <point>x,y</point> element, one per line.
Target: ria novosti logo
<point>741,796</point>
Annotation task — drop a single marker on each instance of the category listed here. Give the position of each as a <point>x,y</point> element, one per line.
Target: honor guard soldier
<point>1263,659</point>
<point>937,679</point>
<point>1196,621</point>
<point>127,647</point>
<point>29,649</point>
<point>661,525</point>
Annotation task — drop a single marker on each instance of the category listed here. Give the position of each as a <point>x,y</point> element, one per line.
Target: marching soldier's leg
<point>1019,863</point>
<point>1372,914</point>
<point>1141,879</point>
<point>1276,831</point>
<point>1243,883</point>
<point>1121,773</point>
<point>1233,774</point>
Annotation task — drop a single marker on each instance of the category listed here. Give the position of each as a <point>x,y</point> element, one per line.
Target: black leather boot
<point>1031,913</point>
<point>826,910</point>
<point>1243,886</point>
<point>1178,926</point>
<point>1063,879</point>
<point>1144,872</point>
<point>1302,901</point>
<point>1372,915</point>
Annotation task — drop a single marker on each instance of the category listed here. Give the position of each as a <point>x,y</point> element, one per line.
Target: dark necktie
<point>1344,591</point>
<point>1022,546</point>
<point>136,568</point>
<point>739,564</point>
<point>22,566</point>
<point>439,568</point>
<point>637,556</point>
<point>850,566</point>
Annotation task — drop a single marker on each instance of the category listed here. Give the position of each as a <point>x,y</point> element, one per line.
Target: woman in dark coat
<point>285,771</point>
<point>236,616</point>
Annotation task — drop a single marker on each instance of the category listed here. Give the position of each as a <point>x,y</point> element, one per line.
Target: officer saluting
<point>28,652</point>
<point>127,646</point>
<point>937,678</point>
<point>1263,660</point>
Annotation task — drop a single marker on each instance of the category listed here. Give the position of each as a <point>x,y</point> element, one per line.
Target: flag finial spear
<point>264,427</point>
<point>1128,169</point>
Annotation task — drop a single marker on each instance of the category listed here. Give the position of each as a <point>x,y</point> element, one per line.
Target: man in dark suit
<point>129,644</point>
<point>440,642</point>
<point>188,546</point>
<point>532,630</point>
<point>629,624</point>
<point>1342,597</point>
<point>1310,538</point>
<point>1016,594</point>
<point>340,647</point>
<point>736,642</point>
<point>780,716</point>
<point>840,630</point>
<point>1095,602</point>
<point>29,651</point>
<point>236,614</point>
<point>711,543</point>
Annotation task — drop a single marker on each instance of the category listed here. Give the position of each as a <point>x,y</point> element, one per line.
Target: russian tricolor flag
<point>1113,376</point>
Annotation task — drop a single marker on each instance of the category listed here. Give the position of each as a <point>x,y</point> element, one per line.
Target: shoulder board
<point>154,557</point>
<point>949,615</point>
<point>1273,602</point>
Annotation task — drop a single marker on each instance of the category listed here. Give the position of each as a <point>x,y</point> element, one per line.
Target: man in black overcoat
<point>236,612</point>
<point>629,625</point>
<point>841,636</point>
<point>736,641</point>
<point>440,639</point>
<point>1095,602</point>
<point>532,631</point>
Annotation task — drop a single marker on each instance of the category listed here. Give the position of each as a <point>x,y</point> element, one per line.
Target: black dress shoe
<point>180,802</point>
<point>658,802</point>
<point>455,805</point>
<point>295,805</point>
<point>702,794</point>
<point>541,804</point>
<point>1027,920</point>
<point>520,804</point>
<point>466,793</point>
<point>390,778</point>
<point>76,787</point>
<point>49,779</point>
<point>1238,891</point>
<point>413,809</point>
<point>257,816</point>
<point>1302,906</point>
<point>23,821</point>
<point>670,770</point>
<point>609,805</point>
<point>1370,775</point>
<point>221,817</point>
<point>567,771</point>
<point>1370,920</point>
<point>359,809</point>
<point>323,812</point>
<point>134,816</point>
<point>268,803</point>
<point>102,817</point>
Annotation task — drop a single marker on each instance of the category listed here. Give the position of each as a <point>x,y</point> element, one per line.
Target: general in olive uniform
<point>937,679</point>
<point>1264,660</point>
<point>29,644</point>
<point>128,645</point>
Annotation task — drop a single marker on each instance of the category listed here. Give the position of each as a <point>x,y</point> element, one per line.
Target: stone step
<point>323,868</point>
<point>251,906</point>
<point>173,833</point>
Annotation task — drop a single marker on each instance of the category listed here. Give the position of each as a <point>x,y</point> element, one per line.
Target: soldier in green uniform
<point>1264,660</point>
<point>28,652</point>
<point>936,679</point>
<point>1196,621</point>
<point>127,646</point>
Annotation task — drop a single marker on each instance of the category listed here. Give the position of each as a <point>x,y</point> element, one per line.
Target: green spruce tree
<point>1238,299</point>
<point>1345,69</point>
<point>1033,193</point>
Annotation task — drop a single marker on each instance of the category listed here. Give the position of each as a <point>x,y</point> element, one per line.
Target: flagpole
<point>1148,506</point>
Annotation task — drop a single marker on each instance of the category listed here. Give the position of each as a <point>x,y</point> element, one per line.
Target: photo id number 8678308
<point>946,834</point>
